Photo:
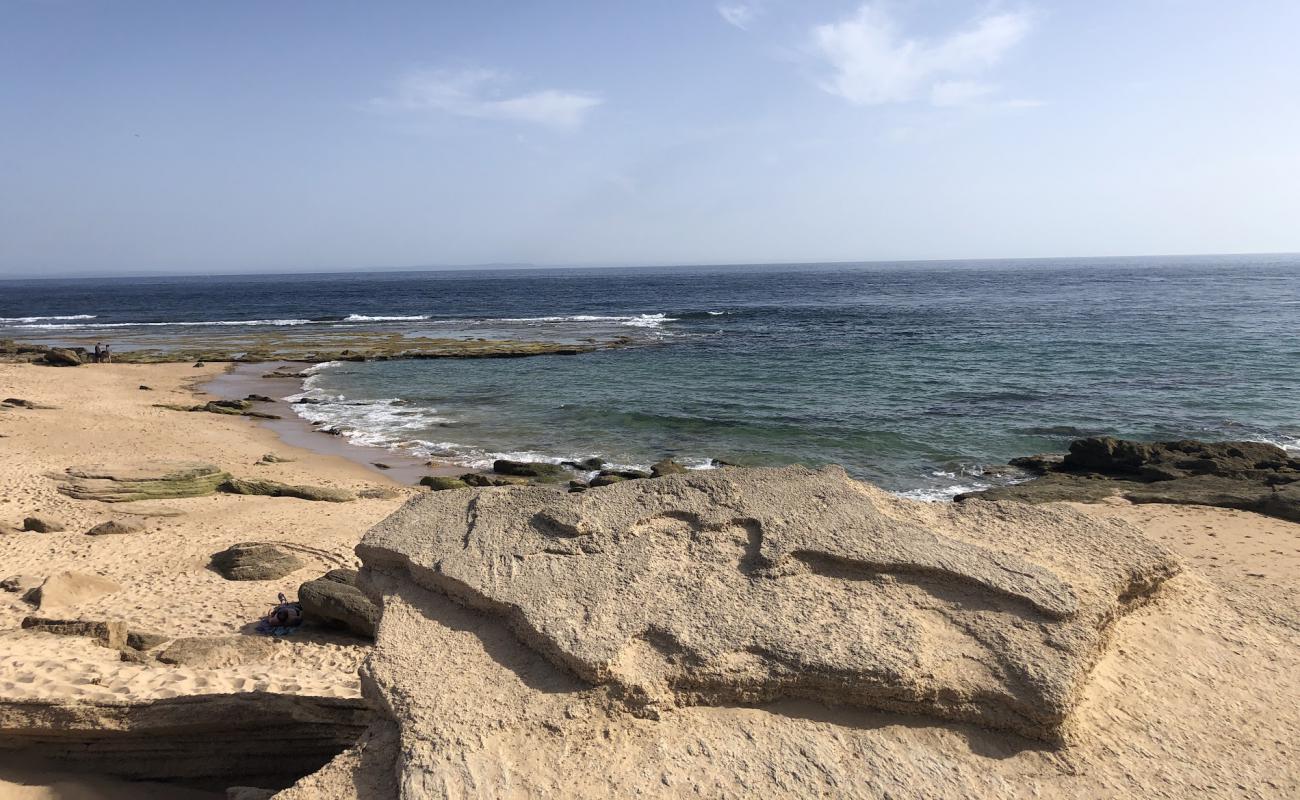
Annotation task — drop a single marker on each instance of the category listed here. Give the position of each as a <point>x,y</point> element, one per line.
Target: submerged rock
<point>529,469</point>
<point>130,483</point>
<point>747,586</point>
<point>255,561</point>
<point>667,467</point>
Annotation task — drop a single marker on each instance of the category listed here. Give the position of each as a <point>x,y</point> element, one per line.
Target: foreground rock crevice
<point>207,741</point>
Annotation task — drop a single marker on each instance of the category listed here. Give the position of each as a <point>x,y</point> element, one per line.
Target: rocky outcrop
<point>1244,475</point>
<point>716,588</point>
<point>208,741</point>
<point>61,357</point>
<point>130,483</point>
<point>326,494</point>
<point>335,601</point>
<point>255,561</point>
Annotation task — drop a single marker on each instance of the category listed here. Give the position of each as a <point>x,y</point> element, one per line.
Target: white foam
<point>365,318</point>
<point>637,321</point>
<point>212,323</point>
<point>7,320</point>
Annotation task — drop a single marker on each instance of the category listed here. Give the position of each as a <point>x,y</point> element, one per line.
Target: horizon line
<point>522,266</point>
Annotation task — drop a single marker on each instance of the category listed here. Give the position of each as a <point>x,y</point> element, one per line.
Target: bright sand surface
<point>1236,608</point>
<point>99,415</point>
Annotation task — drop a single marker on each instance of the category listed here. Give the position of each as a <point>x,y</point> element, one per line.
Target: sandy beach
<point>100,415</point>
<point>1239,564</point>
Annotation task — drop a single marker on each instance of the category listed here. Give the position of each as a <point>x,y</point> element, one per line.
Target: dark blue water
<point>912,375</point>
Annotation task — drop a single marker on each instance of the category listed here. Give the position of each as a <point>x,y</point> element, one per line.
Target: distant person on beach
<point>108,354</point>
<point>99,352</point>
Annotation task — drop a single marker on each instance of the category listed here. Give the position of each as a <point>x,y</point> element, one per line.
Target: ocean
<point>920,377</point>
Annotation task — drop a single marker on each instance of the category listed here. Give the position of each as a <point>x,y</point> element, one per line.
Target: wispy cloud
<point>483,94</point>
<point>741,13</point>
<point>874,62</point>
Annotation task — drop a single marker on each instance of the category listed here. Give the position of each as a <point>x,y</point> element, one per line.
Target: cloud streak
<point>872,61</point>
<point>740,14</point>
<point>482,94</point>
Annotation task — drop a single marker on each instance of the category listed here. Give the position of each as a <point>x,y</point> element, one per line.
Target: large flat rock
<point>132,482</point>
<point>748,586</point>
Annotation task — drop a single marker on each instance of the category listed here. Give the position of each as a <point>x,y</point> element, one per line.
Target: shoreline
<point>240,380</point>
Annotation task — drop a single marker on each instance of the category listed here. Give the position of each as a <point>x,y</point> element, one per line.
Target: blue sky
<point>262,136</point>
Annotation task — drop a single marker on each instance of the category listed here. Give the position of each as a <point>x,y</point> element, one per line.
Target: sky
<point>187,137</point>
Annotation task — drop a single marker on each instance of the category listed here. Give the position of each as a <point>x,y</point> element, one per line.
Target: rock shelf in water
<point>1250,476</point>
<point>311,348</point>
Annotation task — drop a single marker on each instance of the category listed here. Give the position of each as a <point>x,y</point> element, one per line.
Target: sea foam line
<point>7,320</point>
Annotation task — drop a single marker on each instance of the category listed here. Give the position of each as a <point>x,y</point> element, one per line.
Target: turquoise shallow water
<point>915,376</point>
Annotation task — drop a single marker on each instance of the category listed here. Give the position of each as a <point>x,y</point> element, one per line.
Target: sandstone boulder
<point>255,561</point>
<point>334,600</point>
<point>67,589</point>
<point>746,586</point>
<point>130,483</point>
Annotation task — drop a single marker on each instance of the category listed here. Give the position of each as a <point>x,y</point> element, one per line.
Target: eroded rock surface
<point>752,585</point>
